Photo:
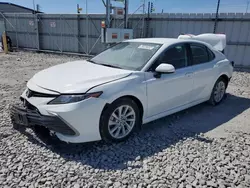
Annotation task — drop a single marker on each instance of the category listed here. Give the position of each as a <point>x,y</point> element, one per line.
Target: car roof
<point>165,41</point>
<point>155,40</point>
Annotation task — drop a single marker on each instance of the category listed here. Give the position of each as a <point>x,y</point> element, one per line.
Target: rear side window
<point>199,53</point>
<point>211,55</point>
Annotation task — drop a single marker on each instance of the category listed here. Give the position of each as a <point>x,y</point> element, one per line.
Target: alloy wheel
<point>219,91</point>
<point>121,121</point>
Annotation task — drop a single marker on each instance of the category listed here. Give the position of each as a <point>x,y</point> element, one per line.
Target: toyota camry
<point>134,82</point>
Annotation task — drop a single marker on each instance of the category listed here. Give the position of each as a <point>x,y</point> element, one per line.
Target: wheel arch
<point>225,77</point>
<point>132,97</point>
<point>135,99</point>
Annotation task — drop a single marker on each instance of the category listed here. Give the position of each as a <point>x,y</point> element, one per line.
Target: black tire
<point>104,131</point>
<point>212,100</point>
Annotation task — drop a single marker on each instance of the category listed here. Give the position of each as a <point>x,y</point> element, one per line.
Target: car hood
<point>76,76</point>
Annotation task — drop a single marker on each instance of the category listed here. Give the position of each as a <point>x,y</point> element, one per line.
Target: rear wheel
<point>119,120</point>
<point>219,91</point>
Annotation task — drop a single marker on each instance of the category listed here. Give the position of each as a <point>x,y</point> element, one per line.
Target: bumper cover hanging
<point>29,118</point>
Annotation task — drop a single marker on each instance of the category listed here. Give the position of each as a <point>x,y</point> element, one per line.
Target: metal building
<point>12,8</point>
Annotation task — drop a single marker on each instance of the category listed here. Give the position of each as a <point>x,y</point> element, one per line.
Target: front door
<point>172,90</point>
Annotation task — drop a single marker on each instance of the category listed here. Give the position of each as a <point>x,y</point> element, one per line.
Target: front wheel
<point>219,91</point>
<point>119,120</point>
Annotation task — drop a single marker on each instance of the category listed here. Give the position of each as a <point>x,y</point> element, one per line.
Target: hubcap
<point>121,121</point>
<point>219,91</point>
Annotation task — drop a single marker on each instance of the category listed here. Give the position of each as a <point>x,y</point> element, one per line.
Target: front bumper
<point>82,118</point>
<point>28,116</point>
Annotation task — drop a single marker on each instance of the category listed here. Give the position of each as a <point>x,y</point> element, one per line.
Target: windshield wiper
<point>91,61</point>
<point>108,65</point>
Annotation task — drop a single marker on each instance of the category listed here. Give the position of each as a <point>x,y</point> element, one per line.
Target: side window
<point>199,53</point>
<point>176,56</point>
<point>211,55</point>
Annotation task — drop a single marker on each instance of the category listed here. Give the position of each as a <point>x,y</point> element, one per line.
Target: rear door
<point>202,62</point>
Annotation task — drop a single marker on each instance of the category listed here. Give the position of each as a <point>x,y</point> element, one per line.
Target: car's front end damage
<point>25,115</point>
<point>73,122</point>
<point>61,100</point>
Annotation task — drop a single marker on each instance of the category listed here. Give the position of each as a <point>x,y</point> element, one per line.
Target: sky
<point>167,6</point>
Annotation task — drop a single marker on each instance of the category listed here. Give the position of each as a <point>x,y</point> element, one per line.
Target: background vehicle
<point>134,82</point>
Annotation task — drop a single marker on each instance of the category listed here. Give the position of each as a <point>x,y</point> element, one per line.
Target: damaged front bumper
<point>28,116</point>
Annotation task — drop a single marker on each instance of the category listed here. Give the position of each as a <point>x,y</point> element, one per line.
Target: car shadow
<point>153,138</point>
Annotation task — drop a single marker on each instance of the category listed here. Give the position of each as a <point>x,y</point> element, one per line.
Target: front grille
<point>31,93</point>
<point>24,103</point>
<point>29,106</point>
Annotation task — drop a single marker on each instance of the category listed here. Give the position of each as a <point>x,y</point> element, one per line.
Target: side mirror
<point>165,68</point>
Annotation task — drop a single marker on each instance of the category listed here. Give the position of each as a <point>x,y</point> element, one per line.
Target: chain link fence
<point>81,34</point>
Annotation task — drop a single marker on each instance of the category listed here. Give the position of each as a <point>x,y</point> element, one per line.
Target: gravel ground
<point>203,146</point>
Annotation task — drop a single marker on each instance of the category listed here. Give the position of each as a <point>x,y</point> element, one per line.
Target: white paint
<point>77,76</point>
<point>165,68</point>
<point>217,41</point>
<point>146,47</point>
<point>161,96</point>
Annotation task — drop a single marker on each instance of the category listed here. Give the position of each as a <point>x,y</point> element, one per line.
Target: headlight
<point>65,99</point>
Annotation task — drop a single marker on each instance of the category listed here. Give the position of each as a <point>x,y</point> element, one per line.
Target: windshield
<point>127,55</point>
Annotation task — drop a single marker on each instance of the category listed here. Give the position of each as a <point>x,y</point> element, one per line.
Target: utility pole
<point>126,15</point>
<point>34,7</point>
<point>148,18</point>
<point>87,28</point>
<point>149,9</point>
<point>38,8</point>
<point>86,7</point>
<point>247,6</point>
<point>143,20</point>
<point>77,9</point>
<point>108,13</point>
<point>217,15</point>
<point>143,8</point>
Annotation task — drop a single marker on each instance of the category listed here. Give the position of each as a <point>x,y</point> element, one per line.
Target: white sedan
<point>132,83</point>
